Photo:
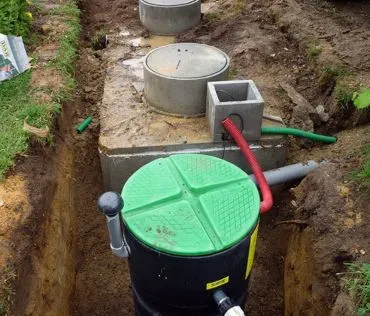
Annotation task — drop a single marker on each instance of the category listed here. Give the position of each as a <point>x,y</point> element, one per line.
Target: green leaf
<point>362,99</point>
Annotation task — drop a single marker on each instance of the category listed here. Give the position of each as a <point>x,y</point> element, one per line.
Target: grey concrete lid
<point>169,2</point>
<point>186,60</point>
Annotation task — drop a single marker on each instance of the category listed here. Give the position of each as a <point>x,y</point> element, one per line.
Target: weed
<point>334,71</point>
<point>99,40</point>
<point>280,91</point>
<point>344,95</point>
<point>357,283</point>
<point>213,16</point>
<point>7,290</point>
<point>329,75</point>
<point>239,6</point>
<point>314,51</point>
<point>2,309</point>
<point>361,99</point>
<point>362,176</point>
<point>232,73</point>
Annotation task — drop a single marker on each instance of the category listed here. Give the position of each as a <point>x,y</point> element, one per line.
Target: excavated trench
<point>75,272</point>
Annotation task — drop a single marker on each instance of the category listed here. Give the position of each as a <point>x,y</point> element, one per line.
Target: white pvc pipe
<point>117,243</point>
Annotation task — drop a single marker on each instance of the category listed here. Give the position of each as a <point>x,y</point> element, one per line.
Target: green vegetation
<point>98,40</point>
<point>280,91</point>
<point>361,99</point>
<point>334,71</point>
<point>343,94</point>
<point>14,18</point>
<point>67,52</point>
<point>363,174</point>
<point>351,95</point>
<point>7,291</point>
<point>314,51</point>
<point>238,6</point>
<point>213,16</point>
<point>330,74</point>
<point>69,9</point>
<point>357,283</point>
<point>232,73</point>
<point>17,102</point>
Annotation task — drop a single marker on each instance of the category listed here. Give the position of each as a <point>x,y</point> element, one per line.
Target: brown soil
<point>336,233</point>
<point>102,284</point>
<point>53,237</point>
<point>46,79</point>
<point>271,43</point>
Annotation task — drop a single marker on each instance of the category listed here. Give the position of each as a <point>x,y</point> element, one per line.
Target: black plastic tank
<point>190,222</point>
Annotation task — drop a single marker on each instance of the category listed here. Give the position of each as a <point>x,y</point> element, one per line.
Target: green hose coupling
<point>298,133</point>
<point>80,128</point>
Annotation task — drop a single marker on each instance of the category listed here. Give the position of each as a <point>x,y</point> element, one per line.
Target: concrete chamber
<point>176,77</point>
<point>169,17</point>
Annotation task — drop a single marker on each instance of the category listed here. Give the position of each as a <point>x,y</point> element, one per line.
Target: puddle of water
<point>155,41</point>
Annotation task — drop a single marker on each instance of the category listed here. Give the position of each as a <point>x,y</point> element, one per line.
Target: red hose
<point>267,200</point>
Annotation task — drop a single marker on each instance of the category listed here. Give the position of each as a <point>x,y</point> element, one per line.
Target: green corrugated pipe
<point>80,128</point>
<point>298,133</point>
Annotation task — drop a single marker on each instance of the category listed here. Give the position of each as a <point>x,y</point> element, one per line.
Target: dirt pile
<point>319,49</point>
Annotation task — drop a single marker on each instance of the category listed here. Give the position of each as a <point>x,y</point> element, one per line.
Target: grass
<point>17,104</point>
<point>330,74</point>
<point>357,283</point>
<point>344,95</point>
<point>314,51</point>
<point>98,40</point>
<point>213,16</point>
<point>16,95</point>
<point>363,174</point>
<point>239,6</point>
<point>280,92</point>
<point>334,71</point>
<point>7,291</point>
<point>67,52</point>
<point>232,73</point>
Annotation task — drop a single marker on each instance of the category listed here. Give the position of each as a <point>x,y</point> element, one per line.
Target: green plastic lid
<point>190,205</point>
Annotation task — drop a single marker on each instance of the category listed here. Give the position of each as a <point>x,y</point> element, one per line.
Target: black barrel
<point>190,222</point>
<point>170,285</point>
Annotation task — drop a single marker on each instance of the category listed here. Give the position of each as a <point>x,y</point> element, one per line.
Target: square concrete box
<point>241,97</point>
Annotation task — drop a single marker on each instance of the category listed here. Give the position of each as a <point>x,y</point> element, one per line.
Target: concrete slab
<point>118,167</point>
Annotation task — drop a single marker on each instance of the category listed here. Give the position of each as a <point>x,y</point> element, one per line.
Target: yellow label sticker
<point>217,283</point>
<point>252,250</point>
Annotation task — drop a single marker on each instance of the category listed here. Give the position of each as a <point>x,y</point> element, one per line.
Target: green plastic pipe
<point>299,133</point>
<point>80,128</point>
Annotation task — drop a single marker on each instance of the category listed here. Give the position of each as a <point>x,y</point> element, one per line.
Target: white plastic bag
<point>13,57</point>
